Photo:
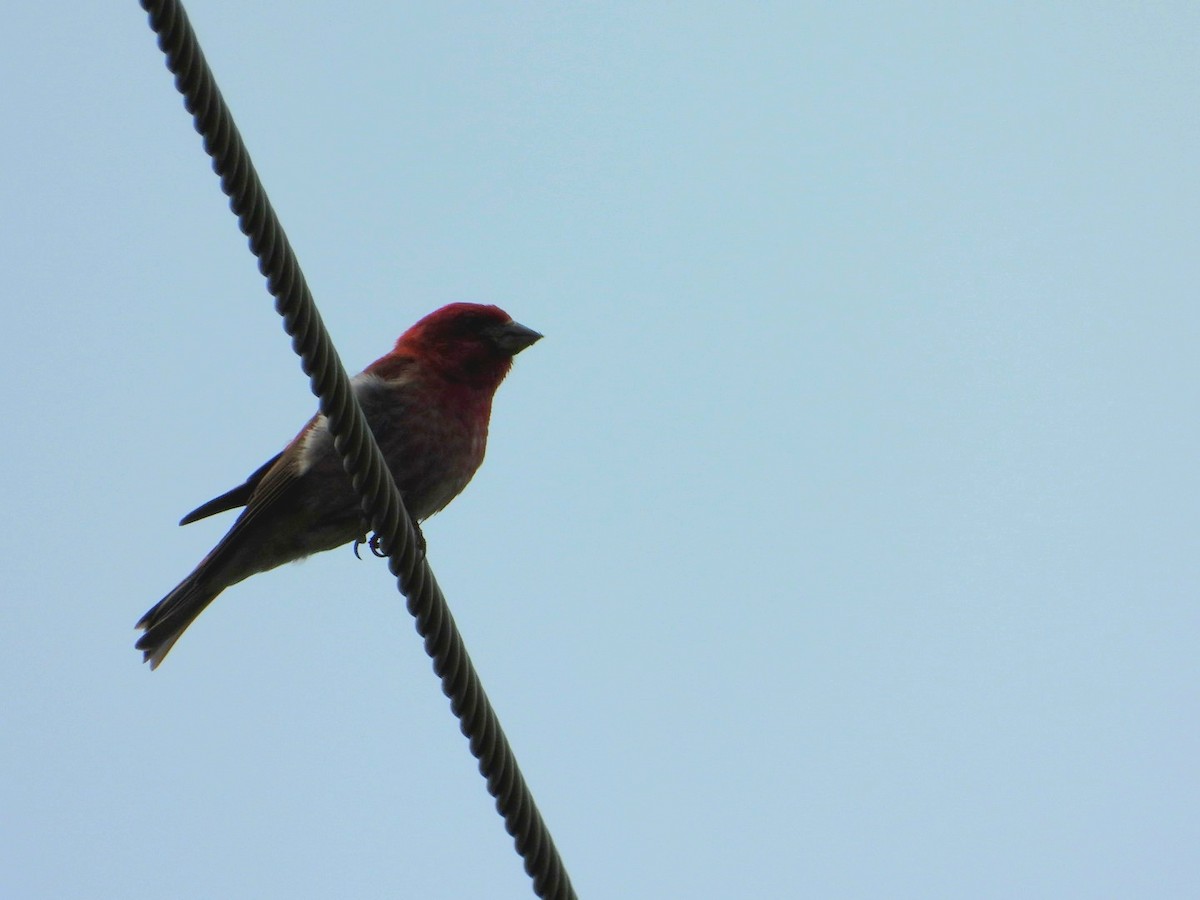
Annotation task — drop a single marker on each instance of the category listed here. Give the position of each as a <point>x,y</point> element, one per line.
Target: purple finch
<point>428,404</point>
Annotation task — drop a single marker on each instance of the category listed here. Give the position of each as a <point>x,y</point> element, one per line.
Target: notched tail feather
<point>168,619</point>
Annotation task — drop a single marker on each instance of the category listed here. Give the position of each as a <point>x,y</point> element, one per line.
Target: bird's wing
<point>239,496</point>
<point>274,501</point>
<point>274,481</point>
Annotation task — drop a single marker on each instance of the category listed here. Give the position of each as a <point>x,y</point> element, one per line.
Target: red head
<point>466,342</point>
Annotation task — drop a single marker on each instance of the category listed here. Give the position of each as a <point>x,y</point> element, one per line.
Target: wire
<point>360,454</point>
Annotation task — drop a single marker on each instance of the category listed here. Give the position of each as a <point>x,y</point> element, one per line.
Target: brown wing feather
<point>239,496</point>
<point>270,485</point>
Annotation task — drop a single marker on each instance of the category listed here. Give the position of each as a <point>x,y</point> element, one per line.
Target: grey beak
<point>512,337</point>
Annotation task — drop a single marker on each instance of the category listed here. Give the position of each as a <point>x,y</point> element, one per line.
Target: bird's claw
<point>375,543</point>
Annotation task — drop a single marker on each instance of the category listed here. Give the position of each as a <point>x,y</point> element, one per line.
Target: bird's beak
<point>512,337</point>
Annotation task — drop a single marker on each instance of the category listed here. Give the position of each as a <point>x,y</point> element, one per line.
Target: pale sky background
<point>839,540</point>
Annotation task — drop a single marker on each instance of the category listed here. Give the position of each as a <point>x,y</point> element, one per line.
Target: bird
<point>428,403</point>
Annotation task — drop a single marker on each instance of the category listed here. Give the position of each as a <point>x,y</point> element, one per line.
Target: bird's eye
<point>471,324</point>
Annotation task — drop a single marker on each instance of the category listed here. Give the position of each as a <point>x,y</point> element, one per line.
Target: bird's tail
<point>169,618</point>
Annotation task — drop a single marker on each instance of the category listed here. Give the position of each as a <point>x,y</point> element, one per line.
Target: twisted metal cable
<point>360,454</point>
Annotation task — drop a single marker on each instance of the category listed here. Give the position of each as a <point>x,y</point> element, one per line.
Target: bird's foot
<point>375,543</point>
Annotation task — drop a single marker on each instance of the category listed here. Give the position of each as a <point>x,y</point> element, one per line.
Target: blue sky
<point>839,540</point>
